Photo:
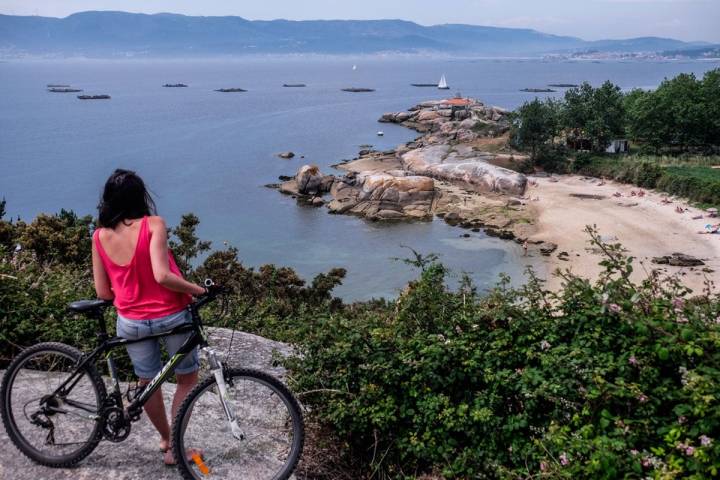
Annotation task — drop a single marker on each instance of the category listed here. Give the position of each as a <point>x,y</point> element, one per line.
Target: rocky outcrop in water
<point>464,165</point>
<point>428,175</point>
<point>454,119</point>
<point>383,196</point>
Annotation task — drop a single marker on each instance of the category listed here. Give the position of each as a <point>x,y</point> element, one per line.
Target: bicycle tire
<point>279,388</point>
<point>8,418</point>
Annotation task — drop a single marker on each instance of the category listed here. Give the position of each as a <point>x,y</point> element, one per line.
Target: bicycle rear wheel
<point>52,431</point>
<point>270,420</point>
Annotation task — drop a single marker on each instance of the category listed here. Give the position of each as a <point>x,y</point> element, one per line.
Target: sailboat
<point>442,85</point>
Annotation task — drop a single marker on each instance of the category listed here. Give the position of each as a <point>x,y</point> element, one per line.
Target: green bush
<point>604,380</point>
<point>692,179</point>
<point>600,380</point>
<point>45,265</point>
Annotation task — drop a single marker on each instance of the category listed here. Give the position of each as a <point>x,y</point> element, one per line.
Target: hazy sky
<point>589,19</point>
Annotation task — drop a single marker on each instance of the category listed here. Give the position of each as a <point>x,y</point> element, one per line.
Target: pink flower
<point>543,467</point>
<point>634,452</point>
<point>682,419</point>
<point>564,459</point>
<point>705,441</point>
<point>689,451</point>
<point>545,345</point>
<point>646,462</point>
<point>642,398</point>
<point>633,361</point>
<point>678,303</point>
<point>614,308</point>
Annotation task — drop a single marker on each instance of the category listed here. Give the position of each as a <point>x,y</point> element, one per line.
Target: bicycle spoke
<point>52,427</point>
<point>271,437</point>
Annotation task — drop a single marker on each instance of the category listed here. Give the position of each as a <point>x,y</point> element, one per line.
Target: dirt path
<point>645,226</point>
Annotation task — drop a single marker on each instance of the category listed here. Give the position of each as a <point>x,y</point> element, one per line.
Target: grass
<point>689,177</point>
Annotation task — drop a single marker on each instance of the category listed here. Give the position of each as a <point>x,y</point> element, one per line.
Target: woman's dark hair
<point>124,197</point>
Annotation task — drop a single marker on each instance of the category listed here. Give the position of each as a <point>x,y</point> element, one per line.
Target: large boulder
<point>382,196</point>
<point>310,181</point>
<point>463,165</point>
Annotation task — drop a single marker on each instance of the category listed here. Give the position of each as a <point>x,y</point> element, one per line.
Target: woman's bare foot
<point>169,458</point>
<point>164,445</point>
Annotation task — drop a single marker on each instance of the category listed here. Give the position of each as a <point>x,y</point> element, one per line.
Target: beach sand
<point>645,226</point>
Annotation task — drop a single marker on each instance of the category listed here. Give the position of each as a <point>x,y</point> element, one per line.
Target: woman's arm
<point>161,265</point>
<point>102,282</point>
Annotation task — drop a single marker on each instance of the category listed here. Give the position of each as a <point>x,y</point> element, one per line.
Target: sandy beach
<point>645,226</point>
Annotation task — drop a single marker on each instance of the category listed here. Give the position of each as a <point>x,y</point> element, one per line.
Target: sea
<point>212,153</point>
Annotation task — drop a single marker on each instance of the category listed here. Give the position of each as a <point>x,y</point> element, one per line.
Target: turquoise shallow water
<point>211,153</point>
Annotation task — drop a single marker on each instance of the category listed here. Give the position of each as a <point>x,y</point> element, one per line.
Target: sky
<point>690,20</point>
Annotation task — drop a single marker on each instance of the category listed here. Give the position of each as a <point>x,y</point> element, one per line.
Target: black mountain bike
<point>235,424</point>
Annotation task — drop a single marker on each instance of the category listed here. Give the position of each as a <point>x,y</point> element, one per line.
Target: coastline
<point>463,174</point>
<point>645,226</point>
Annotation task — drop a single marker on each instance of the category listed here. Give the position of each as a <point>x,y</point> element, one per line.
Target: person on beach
<point>133,266</point>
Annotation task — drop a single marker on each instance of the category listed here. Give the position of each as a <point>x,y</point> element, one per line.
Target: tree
<point>188,246</point>
<point>710,98</point>
<point>608,115</point>
<point>534,124</point>
<point>597,114</point>
<point>647,119</point>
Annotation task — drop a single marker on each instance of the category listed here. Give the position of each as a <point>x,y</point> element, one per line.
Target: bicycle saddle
<point>84,306</point>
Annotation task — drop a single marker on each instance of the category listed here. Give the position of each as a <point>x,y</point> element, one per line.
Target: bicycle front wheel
<point>270,421</point>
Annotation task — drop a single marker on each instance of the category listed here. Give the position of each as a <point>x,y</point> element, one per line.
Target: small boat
<point>175,85</point>
<point>538,90</point>
<point>94,97</point>
<point>424,84</point>
<point>230,90</point>
<point>442,84</point>
<point>57,85</point>
<point>354,67</point>
<point>380,133</point>
<point>358,90</point>
<point>294,85</point>
<point>563,85</point>
<point>64,90</point>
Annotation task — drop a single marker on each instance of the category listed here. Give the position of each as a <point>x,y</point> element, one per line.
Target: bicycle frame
<point>198,337</point>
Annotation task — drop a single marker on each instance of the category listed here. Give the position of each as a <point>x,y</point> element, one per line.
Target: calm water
<point>211,153</point>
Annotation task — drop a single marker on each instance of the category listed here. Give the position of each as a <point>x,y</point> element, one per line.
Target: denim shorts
<point>145,355</point>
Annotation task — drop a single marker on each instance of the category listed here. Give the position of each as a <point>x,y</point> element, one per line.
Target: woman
<point>133,266</point>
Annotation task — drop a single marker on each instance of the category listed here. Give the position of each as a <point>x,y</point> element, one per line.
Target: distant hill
<point>120,34</point>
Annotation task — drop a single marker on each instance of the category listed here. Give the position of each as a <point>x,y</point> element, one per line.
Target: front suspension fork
<point>216,368</point>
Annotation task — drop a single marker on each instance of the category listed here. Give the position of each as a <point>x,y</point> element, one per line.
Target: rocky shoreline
<point>456,170</point>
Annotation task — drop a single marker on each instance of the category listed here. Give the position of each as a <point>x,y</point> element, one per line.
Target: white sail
<point>442,85</point>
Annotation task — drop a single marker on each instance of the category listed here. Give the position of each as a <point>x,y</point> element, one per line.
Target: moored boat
<point>442,84</point>
<point>64,90</point>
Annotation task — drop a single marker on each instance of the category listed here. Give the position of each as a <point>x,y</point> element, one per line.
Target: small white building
<point>618,146</point>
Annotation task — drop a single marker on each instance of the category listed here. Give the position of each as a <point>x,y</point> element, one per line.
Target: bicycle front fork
<point>217,370</point>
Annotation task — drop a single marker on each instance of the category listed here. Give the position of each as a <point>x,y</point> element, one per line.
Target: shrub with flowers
<point>611,379</point>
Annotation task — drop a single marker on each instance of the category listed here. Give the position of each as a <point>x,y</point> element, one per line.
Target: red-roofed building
<point>458,102</point>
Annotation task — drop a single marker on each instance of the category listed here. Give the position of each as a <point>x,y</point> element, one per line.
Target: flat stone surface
<point>138,457</point>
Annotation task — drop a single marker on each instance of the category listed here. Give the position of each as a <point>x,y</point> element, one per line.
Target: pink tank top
<point>137,295</point>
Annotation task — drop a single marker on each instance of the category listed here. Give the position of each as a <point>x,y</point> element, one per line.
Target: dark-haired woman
<point>133,266</point>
